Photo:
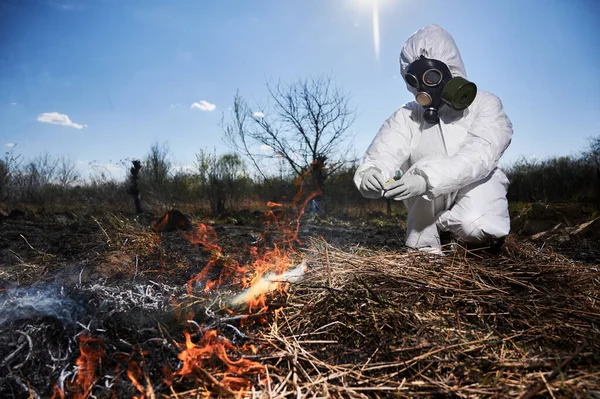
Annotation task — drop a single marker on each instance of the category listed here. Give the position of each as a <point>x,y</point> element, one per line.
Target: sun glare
<point>375,28</point>
<point>373,5</point>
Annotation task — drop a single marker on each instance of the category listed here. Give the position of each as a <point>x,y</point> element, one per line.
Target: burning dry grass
<point>375,323</point>
<point>356,322</point>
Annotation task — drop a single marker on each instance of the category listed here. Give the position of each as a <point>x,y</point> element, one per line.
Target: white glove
<point>372,184</point>
<point>410,185</point>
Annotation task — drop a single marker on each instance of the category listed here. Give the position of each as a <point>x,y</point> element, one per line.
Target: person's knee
<point>482,228</point>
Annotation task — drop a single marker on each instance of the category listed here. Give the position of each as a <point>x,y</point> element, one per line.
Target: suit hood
<point>432,41</point>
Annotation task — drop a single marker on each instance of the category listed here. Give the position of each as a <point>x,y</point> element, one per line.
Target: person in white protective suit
<point>446,145</point>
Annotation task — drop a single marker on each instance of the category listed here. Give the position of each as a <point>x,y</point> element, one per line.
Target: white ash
<point>151,296</point>
<point>25,303</point>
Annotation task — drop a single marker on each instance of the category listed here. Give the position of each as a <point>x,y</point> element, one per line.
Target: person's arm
<point>388,151</point>
<point>488,137</point>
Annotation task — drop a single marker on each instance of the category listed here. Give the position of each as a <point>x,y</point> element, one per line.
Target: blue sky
<point>126,73</point>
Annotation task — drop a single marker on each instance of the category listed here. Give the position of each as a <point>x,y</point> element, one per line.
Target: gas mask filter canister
<point>435,87</point>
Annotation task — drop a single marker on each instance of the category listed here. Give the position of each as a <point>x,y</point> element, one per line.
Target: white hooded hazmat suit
<point>458,157</point>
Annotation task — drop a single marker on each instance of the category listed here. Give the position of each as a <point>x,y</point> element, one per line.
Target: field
<point>110,305</point>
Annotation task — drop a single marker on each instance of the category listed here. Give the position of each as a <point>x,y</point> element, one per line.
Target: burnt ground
<point>65,243</point>
<point>69,240</point>
<point>64,276</point>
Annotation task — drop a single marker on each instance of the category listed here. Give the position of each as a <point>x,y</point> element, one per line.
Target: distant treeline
<point>213,185</point>
<point>557,179</point>
<point>223,184</point>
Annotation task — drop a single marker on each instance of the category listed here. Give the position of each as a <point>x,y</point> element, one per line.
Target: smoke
<point>27,303</point>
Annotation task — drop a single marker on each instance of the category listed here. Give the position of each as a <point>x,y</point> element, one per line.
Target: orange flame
<point>206,237</point>
<point>276,260</point>
<point>91,356</point>
<point>304,202</point>
<point>211,350</point>
<point>161,224</point>
<point>254,296</point>
<point>134,373</point>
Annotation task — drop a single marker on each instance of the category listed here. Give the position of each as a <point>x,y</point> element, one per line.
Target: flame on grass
<point>212,352</point>
<point>275,260</point>
<point>266,271</point>
<point>171,220</point>
<point>159,225</point>
<point>206,237</point>
<point>92,354</point>
<point>300,201</point>
<point>134,373</point>
<point>254,295</point>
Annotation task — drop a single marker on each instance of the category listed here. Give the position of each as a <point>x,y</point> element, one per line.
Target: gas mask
<point>435,87</point>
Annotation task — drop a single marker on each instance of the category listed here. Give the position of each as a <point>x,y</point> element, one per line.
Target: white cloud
<point>10,145</point>
<point>13,103</point>
<point>54,118</point>
<point>265,148</point>
<point>258,114</point>
<point>204,106</point>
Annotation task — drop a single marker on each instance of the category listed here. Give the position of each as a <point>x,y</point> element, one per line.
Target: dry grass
<point>375,323</point>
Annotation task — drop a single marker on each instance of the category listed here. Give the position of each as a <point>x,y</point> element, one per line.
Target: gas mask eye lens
<point>432,77</point>
<point>411,80</point>
<point>423,98</point>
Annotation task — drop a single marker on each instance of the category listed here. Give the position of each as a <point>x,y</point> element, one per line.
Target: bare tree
<point>66,172</point>
<point>157,165</point>
<point>44,168</point>
<point>154,175</point>
<point>38,174</point>
<point>306,124</point>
